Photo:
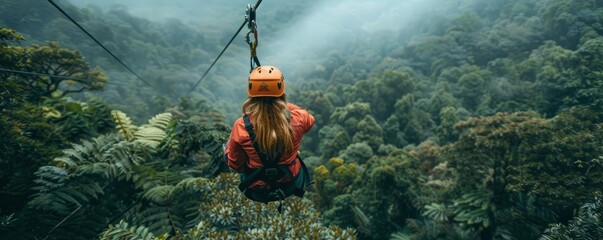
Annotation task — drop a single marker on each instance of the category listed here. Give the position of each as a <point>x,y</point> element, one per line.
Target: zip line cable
<point>97,42</point>
<point>57,76</point>
<point>257,4</point>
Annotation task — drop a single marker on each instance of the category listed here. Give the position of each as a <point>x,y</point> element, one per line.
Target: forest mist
<point>310,31</point>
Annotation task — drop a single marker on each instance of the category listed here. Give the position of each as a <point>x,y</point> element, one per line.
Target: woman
<point>264,143</point>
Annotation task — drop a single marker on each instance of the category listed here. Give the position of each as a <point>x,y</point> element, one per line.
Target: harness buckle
<point>271,171</point>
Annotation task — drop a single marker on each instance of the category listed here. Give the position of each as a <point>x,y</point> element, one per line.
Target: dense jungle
<point>435,119</point>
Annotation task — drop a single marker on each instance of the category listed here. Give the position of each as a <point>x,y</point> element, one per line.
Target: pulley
<point>250,17</point>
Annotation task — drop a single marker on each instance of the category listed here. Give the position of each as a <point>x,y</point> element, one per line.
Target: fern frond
<point>588,224</point>
<point>50,177</point>
<point>161,120</point>
<point>124,231</point>
<point>74,179</point>
<point>159,219</point>
<point>400,236</point>
<point>162,224</point>
<point>149,136</point>
<point>122,158</point>
<point>159,194</point>
<point>152,134</point>
<point>123,123</point>
<point>191,184</point>
<point>86,152</point>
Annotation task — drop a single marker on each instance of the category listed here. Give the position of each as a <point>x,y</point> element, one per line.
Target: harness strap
<point>261,173</point>
<point>300,191</point>
<point>270,172</point>
<point>261,154</point>
<point>270,169</point>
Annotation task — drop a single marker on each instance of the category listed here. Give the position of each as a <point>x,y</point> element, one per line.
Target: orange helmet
<point>266,81</point>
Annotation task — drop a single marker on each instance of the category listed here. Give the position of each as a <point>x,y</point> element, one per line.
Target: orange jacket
<point>241,154</point>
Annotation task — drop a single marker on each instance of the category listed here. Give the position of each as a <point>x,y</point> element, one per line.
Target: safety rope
<point>97,42</point>
<point>58,76</point>
<point>257,4</point>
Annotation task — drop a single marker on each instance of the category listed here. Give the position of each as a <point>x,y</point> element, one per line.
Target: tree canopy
<point>476,120</point>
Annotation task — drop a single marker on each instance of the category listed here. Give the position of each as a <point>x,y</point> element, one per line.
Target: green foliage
<point>197,143</point>
<point>110,177</point>
<point>6,222</point>
<point>35,131</point>
<point>358,153</point>
<point>533,67</point>
<point>567,78</point>
<point>471,89</point>
<point>588,224</point>
<point>78,119</point>
<point>334,138</point>
<point>437,212</point>
<point>224,213</point>
<point>521,157</point>
<point>350,115</point>
<point>473,209</point>
<point>333,179</point>
<point>448,117</point>
<point>54,60</point>
<point>369,132</point>
<point>386,192</point>
<point>123,231</point>
<point>321,105</point>
<point>45,59</point>
<point>153,133</point>
<point>567,21</point>
<point>124,124</point>
<point>150,134</point>
<point>416,229</point>
<point>9,35</point>
<point>380,91</point>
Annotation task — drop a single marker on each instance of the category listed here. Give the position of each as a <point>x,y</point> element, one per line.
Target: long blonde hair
<point>271,124</point>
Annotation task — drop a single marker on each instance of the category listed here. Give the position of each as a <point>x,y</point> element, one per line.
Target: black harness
<point>270,173</point>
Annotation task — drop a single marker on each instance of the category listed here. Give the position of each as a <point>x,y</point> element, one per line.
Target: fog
<point>317,27</point>
<point>333,25</point>
<point>185,10</point>
<point>294,35</point>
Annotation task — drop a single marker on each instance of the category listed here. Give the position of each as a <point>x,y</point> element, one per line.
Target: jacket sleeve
<point>304,118</point>
<point>307,120</point>
<point>237,158</point>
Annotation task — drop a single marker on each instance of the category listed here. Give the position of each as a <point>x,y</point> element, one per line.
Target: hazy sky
<point>316,28</point>
<point>334,24</point>
<point>188,11</point>
<point>320,26</point>
<point>325,21</point>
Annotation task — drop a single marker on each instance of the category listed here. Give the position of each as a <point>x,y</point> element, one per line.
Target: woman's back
<point>241,153</point>
<point>264,143</point>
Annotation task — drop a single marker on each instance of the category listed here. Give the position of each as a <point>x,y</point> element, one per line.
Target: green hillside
<point>463,119</point>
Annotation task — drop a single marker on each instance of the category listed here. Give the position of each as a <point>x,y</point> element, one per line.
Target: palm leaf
<point>362,220</point>
<point>438,212</point>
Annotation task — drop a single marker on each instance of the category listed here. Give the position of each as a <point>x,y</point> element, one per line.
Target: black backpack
<point>270,173</point>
